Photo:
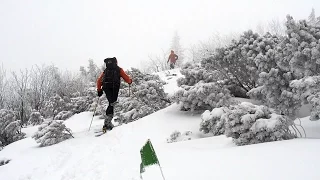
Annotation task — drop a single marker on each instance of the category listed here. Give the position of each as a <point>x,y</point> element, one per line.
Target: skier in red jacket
<point>172,58</point>
<point>109,83</point>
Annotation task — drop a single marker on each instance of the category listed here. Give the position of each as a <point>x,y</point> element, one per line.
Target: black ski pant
<point>112,96</point>
<point>172,65</point>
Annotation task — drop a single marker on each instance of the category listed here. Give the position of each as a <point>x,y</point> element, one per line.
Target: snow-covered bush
<point>212,121</point>
<point>139,77</point>
<point>10,128</point>
<point>82,103</point>
<point>35,118</point>
<point>146,96</point>
<point>53,106</point>
<point>247,124</point>
<point>194,73</point>
<point>177,136</point>
<point>4,161</point>
<point>202,96</point>
<point>63,115</point>
<point>52,132</point>
<point>239,61</point>
<point>276,93</point>
<point>295,57</point>
<point>299,52</point>
<point>308,90</point>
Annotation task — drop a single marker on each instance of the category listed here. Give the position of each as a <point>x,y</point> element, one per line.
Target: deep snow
<point>116,155</point>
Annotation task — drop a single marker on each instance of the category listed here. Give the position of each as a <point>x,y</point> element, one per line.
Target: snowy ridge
<point>116,156</point>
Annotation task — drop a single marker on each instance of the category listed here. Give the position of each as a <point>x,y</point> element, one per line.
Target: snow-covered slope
<point>170,77</point>
<point>116,155</point>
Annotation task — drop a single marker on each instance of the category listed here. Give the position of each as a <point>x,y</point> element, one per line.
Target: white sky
<point>69,32</point>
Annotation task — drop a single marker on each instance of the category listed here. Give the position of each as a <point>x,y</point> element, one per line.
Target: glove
<point>130,81</point>
<point>100,92</point>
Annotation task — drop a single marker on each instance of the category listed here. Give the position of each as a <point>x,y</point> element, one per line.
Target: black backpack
<point>111,77</point>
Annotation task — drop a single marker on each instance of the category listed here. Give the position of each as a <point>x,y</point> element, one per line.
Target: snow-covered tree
<point>237,61</point>
<point>247,124</point>
<point>93,71</point>
<point>212,121</point>
<point>194,73</point>
<point>53,106</point>
<point>205,49</point>
<point>63,115</point>
<point>299,53</point>
<point>20,86</point>
<point>276,93</point>
<point>307,90</point>
<point>146,96</point>
<point>4,161</point>
<point>10,128</point>
<point>202,96</point>
<point>274,27</point>
<point>35,118</point>
<point>155,63</point>
<point>39,81</point>
<point>312,17</point>
<point>52,132</point>
<point>295,57</point>
<point>177,48</point>
<point>177,136</point>
<point>3,84</point>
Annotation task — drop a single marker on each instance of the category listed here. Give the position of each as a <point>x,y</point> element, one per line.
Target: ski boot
<point>107,124</point>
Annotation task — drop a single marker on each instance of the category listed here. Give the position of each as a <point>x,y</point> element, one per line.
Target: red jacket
<point>173,58</point>
<point>122,74</point>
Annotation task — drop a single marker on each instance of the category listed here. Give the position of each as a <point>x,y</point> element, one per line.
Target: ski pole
<point>129,89</point>
<point>94,112</point>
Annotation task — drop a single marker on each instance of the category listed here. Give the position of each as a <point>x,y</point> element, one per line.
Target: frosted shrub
<point>212,121</point>
<point>276,93</point>
<point>174,136</point>
<point>54,105</point>
<point>194,73</point>
<point>4,161</point>
<point>10,129</point>
<point>299,52</point>
<point>276,128</point>
<point>296,56</point>
<point>63,115</point>
<point>177,136</point>
<point>250,124</point>
<point>140,77</point>
<point>202,96</point>
<point>80,104</point>
<point>35,118</point>
<point>146,96</point>
<point>308,90</point>
<point>51,132</point>
<point>241,60</point>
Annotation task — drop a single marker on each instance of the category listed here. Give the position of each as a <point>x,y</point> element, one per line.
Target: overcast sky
<point>67,33</point>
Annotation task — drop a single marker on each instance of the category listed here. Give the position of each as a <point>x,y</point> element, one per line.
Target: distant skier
<point>172,58</point>
<point>109,82</point>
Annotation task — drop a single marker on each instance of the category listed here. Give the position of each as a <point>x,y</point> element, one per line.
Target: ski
<point>98,131</point>
<point>100,134</point>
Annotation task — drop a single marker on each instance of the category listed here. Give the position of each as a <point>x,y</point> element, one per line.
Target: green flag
<point>148,156</point>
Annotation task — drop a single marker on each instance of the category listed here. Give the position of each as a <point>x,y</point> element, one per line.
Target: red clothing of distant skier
<point>172,57</point>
